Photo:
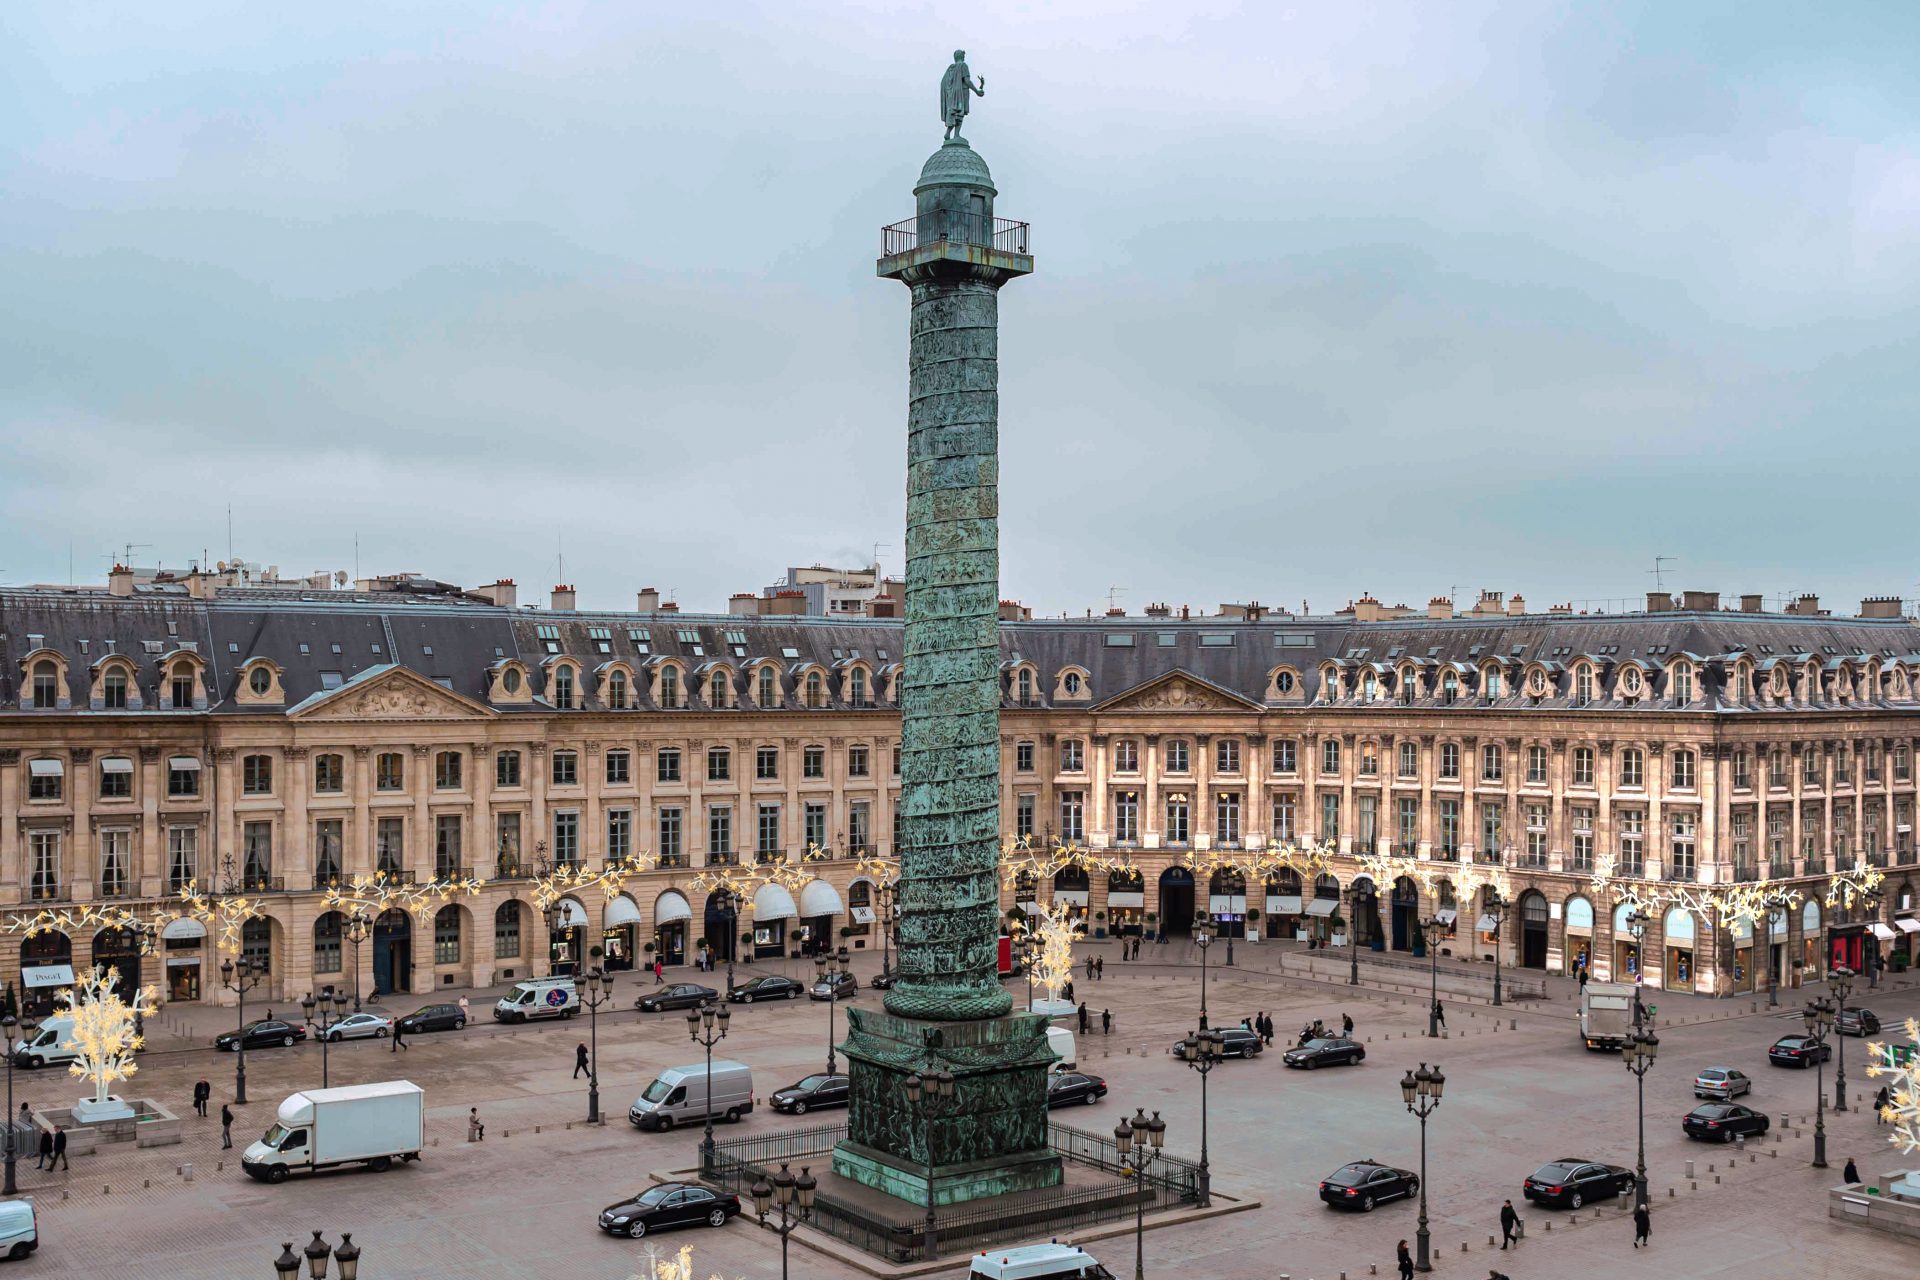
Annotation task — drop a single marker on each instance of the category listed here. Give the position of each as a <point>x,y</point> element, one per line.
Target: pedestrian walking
<point>45,1154</point>
<point>1508,1220</point>
<point>1266,1031</point>
<point>1089,968</point>
<point>226,1126</point>
<point>1099,968</point>
<point>1069,991</point>
<point>1405,1259</point>
<point>658,970</point>
<point>400,1036</point>
<point>1106,1022</point>
<point>476,1132</point>
<point>463,1007</point>
<point>202,1093</point>
<point>1642,1226</point>
<point>1881,1101</point>
<point>1583,977</point>
<point>59,1150</point>
<point>1439,1013</point>
<point>1850,1174</point>
<point>1083,1018</point>
<point>1346,1025</point>
<point>580,1061</point>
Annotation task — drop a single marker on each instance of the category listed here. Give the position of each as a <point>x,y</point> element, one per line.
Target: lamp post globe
<point>1841,984</point>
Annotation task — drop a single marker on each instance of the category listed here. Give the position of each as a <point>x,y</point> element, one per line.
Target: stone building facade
<point>147,738</point>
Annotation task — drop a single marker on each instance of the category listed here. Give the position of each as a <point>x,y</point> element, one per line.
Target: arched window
<point>446,935</point>
<point>1583,684</point>
<point>717,689</point>
<point>1025,682</point>
<point>326,943</point>
<point>506,931</point>
<point>1490,684</point>
<point>181,684</point>
<point>816,690</point>
<point>563,687</point>
<point>769,696</point>
<point>857,687</point>
<point>46,683</point>
<point>1369,687</point>
<point>113,688</point>
<point>1449,687</point>
<point>670,687</point>
<point>617,690</point>
<point>1682,683</point>
<point>256,943</point>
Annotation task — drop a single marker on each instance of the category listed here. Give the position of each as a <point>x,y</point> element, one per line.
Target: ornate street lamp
<point>26,1027</point>
<point>926,1094</point>
<point>1202,1052</point>
<point>1203,938</point>
<point>883,892</point>
<point>1637,922</point>
<point>1428,926</point>
<point>708,1027</point>
<point>318,1253</point>
<point>1638,1051</point>
<point>1421,1090</point>
<point>240,979</point>
<point>786,1189</point>
<point>330,1007</point>
<point>1776,902</point>
<point>358,928</point>
<point>1139,1141</point>
<point>1819,1019</point>
<point>1496,907</point>
<point>830,970</point>
<point>595,992</point>
<point>1840,982</point>
<point>1353,952</point>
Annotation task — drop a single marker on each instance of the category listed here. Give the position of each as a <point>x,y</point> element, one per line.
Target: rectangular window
<point>256,844</point>
<point>506,769</point>
<point>1633,841</point>
<point>45,779</point>
<point>1126,756</point>
<point>1685,824</point>
<point>43,866</point>
<point>1810,766</point>
<point>329,843</point>
<point>673,850</point>
<point>183,857</point>
<point>116,863</point>
<point>1409,760</point>
<point>1226,819</point>
<point>1492,817</point>
<point>1126,817</point>
<point>1450,761</point>
<point>1536,835</point>
<point>506,934</point>
<point>449,771</point>
<point>116,778</point>
<point>326,946</point>
<point>719,764</point>
<point>667,764</point>
<point>1285,818</point>
<point>1633,771</point>
<point>813,762</point>
<point>1492,764</point>
<point>766,839</point>
<point>1330,815</point>
<point>857,762</point>
<point>1330,755</point>
<point>1367,819</point>
<point>1073,756</point>
<point>256,776</point>
<point>1683,771</point>
<point>1179,819</point>
<point>1583,766</point>
<point>1743,770</point>
<point>506,843</point>
<point>446,937</point>
<point>1023,757</point>
<point>566,838</point>
<point>1022,816</point>
<point>1449,829</point>
<point>814,815</point>
<point>1369,760</point>
<point>1176,757</point>
<point>766,764</point>
<point>859,827</point>
<point>619,767</point>
<point>1226,755</point>
<point>1073,817</point>
<point>447,846</point>
<point>1286,756</point>
<point>566,768</point>
<point>1581,818</point>
<point>719,832</point>
<point>1407,826</point>
<point>390,772</point>
<point>1536,765</point>
<point>390,844</point>
<point>619,835</point>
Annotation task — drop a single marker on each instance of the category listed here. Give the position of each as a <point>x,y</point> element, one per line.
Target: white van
<point>45,1048</point>
<point>538,998</point>
<point>679,1096</point>
<point>1060,1040</point>
<point>19,1229</point>
<point>1038,1262</point>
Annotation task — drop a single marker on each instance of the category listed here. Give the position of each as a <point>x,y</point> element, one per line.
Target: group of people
<point>1106,1020</point>
<point>202,1096</point>
<point>1262,1025</point>
<point>1096,968</point>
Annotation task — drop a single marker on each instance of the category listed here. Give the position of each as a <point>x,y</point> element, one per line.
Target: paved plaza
<point>522,1203</point>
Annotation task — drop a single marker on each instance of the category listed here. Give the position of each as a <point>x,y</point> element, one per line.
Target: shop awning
<point>1446,916</point>
<point>1883,932</point>
<point>1283,904</point>
<point>572,914</point>
<point>116,764</point>
<point>772,902</point>
<point>863,915</point>
<point>1127,898</point>
<point>671,906</point>
<point>622,910</point>
<point>183,763</point>
<point>46,975</point>
<point>1323,906</point>
<point>1074,897</point>
<point>184,929</point>
<point>1227,904</point>
<point>1907,924</point>
<point>818,898</point>
<point>1486,924</point>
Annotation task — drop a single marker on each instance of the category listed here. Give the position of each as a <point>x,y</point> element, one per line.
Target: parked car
<point>1065,1087</point>
<point>358,1026</point>
<point>1325,1051</point>
<point>814,1092</point>
<point>837,987</point>
<point>1721,1082</point>
<point>1857,1022</point>
<point>435,1017</point>
<point>771,987</point>
<point>1723,1122</point>
<point>682,995</point>
<point>883,981</point>
<point>19,1228</point>
<point>1037,1262</point>
<point>1798,1051</point>
<point>1238,1042</point>
<point>260,1034</point>
<point>1573,1182</point>
<point>1365,1183</point>
<point>671,1204</point>
<point>679,1095</point>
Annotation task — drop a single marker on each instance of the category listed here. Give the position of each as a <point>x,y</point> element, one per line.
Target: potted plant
<point>1253,924</point>
<point>1152,918</point>
<point>1099,924</point>
<point>1337,929</point>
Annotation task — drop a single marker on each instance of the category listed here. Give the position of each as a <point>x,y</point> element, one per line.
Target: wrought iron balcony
<point>954,226</point>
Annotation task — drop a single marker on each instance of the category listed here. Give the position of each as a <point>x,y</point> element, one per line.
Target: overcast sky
<point>1329,298</point>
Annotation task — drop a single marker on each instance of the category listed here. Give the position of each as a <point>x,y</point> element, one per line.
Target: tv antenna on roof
<point>1113,593</point>
<point>1659,568</point>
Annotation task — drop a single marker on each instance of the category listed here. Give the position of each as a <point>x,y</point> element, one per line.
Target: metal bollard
<point>1689,1168</point>
<point>186,1171</point>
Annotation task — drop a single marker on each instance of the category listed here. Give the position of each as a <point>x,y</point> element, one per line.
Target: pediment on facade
<point>1178,691</point>
<point>390,693</point>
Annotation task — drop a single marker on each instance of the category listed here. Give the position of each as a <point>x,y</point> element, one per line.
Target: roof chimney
<point>501,591</point>
<point>669,607</point>
<point>1439,607</point>
<point>1491,602</point>
<point>1880,607</point>
<point>1516,606</point>
<point>1806,606</point>
<point>648,600</point>
<point>563,599</point>
<point>1751,604</point>
<point>1700,601</point>
<point>200,584</point>
<point>1659,601</point>
<point>1561,610</point>
<point>743,604</point>
<point>1159,611</point>
<point>120,581</point>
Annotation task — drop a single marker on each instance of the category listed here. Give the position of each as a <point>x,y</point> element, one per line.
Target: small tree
<point>105,1034</point>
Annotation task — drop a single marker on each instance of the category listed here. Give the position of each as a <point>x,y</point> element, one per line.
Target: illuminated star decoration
<point>373,895</point>
<point>1903,1065</point>
<point>225,915</point>
<point>1055,927</point>
<point>88,919</point>
<point>104,1034</point>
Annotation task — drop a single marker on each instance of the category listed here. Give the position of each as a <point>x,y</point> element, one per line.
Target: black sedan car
<point>811,1094</point>
<point>837,987</point>
<point>1325,1051</point>
<point>1067,1087</point>
<point>671,1204</point>
<point>1238,1042</point>
<point>435,1017</point>
<point>681,995</point>
<point>1798,1051</point>
<point>258,1035</point>
<point>1572,1182</point>
<point>772,987</point>
<point>1857,1022</point>
<point>1723,1122</point>
<point>883,981</point>
<point>1365,1183</point>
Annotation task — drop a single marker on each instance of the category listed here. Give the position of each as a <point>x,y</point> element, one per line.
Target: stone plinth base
<point>1053,1008</point>
<point>145,1123</point>
<point>92,1111</point>
<point>989,1139</point>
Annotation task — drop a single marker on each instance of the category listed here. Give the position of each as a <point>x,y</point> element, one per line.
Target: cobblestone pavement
<point>1520,1091</point>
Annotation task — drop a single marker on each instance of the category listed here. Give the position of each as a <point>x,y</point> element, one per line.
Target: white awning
<point>187,763</point>
<point>772,902</point>
<point>46,768</point>
<point>622,910</point>
<point>1283,904</point>
<point>1882,932</point>
<point>863,915</point>
<point>46,975</point>
<point>1074,897</point>
<point>1127,898</point>
<point>1446,916</point>
<point>572,914</point>
<point>1227,904</point>
<point>818,898</point>
<point>1907,924</point>
<point>1028,905</point>
<point>671,906</point>
<point>1322,906</point>
<point>183,929</point>
<point>1486,924</point>
<point>116,764</point>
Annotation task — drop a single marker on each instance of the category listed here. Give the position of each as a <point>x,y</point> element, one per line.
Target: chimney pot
<point>1659,601</point>
<point>563,598</point>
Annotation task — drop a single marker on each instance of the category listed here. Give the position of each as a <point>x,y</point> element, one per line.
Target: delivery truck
<point>1606,1013</point>
<point>369,1124</point>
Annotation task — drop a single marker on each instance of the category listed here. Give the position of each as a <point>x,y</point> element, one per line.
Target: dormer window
<point>816,691</point>
<point>617,690</point>
<point>717,689</point>
<point>670,687</point>
<point>1449,688</point>
<point>1583,684</point>
<point>46,684</point>
<point>113,689</point>
<point>1072,684</point>
<point>1024,682</point>
<point>510,680</point>
<point>1490,684</point>
<point>769,689</point>
<point>182,685</point>
<point>563,688</point>
<point>1682,684</point>
<point>857,687</point>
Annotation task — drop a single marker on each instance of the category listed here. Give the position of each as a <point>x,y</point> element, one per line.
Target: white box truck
<point>1606,1014</point>
<point>370,1124</point>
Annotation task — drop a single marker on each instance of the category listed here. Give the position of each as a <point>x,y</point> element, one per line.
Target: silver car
<point>1721,1082</point>
<point>360,1026</point>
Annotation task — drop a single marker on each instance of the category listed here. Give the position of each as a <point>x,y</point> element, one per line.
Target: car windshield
<point>1350,1175</point>
<point>273,1135</point>
<point>657,1091</point>
<point>812,1082</point>
<point>1318,1044</point>
<point>654,1195</point>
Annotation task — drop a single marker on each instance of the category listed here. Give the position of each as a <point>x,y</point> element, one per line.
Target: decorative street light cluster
<point>708,1027</point>
<point>1840,983</point>
<point>91,919</point>
<point>830,969</point>
<point>224,908</point>
<point>595,992</point>
<point>1202,1051</point>
<point>1818,1017</point>
<point>240,979</point>
<point>784,1191</point>
<point>25,1028</point>
<point>321,1012</point>
<point>317,1253</point>
<point>1638,1051</point>
<point>930,1095</point>
<point>1139,1141</point>
<point>1421,1091</point>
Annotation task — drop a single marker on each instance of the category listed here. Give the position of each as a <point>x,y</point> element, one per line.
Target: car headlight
<point>619,1222</point>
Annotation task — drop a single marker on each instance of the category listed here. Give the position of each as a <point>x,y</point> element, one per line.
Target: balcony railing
<point>1746,872</point>
<point>258,882</point>
<point>1636,867</point>
<point>947,226</point>
<point>723,859</point>
<point>48,891</point>
<point>1816,866</point>
<point>1537,861</point>
<point>329,879</point>
<point>671,860</point>
<point>451,871</point>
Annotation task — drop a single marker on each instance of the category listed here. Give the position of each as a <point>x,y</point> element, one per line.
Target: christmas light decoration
<point>105,1034</point>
